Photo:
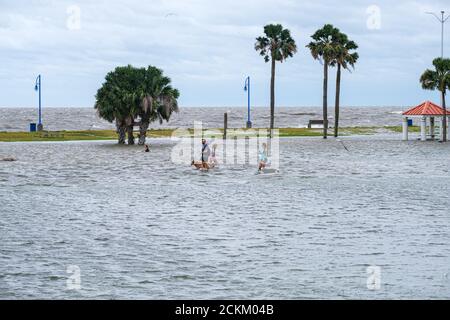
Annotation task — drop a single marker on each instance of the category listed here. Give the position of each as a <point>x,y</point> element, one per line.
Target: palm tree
<point>438,79</point>
<point>344,58</point>
<point>112,100</point>
<point>323,48</point>
<point>130,97</point>
<point>129,93</point>
<point>276,45</point>
<point>158,100</point>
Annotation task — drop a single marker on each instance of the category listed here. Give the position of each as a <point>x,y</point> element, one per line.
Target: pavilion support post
<point>405,129</point>
<point>432,128</point>
<point>441,129</point>
<point>423,129</point>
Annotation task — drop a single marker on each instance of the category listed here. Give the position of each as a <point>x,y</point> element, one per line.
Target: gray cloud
<point>206,47</point>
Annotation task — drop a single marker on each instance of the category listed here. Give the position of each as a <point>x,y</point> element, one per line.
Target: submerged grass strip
<point>85,135</point>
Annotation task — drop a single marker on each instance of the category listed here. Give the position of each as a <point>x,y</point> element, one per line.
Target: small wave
<point>395,112</point>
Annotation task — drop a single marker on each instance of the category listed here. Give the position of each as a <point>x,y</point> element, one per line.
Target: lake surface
<point>138,226</point>
<point>18,119</point>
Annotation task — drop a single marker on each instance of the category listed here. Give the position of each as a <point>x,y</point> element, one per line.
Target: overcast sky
<point>207,48</point>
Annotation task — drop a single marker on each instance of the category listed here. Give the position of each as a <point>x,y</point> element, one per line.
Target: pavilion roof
<point>427,108</point>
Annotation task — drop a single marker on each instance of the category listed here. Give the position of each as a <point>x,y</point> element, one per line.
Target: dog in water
<point>199,165</point>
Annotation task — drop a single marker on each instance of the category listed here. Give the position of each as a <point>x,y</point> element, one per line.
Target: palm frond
<point>430,80</point>
<point>276,44</point>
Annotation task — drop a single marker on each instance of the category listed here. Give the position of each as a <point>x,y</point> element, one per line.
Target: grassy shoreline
<point>92,135</point>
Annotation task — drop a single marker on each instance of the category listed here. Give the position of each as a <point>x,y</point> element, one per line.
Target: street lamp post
<point>247,89</point>
<point>37,87</point>
<point>442,19</point>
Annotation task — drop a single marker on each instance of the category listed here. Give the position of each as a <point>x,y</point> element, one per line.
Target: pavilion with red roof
<point>427,112</point>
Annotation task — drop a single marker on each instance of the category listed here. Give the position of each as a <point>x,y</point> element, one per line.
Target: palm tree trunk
<point>444,125</point>
<point>337,106</point>
<point>143,131</point>
<point>130,134</point>
<point>120,129</point>
<point>272,98</point>
<point>325,99</point>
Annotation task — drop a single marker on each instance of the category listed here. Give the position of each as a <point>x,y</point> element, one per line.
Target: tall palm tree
<point>323,48</point>
<point>438,79</point>
<point>276,45</point>
<point>344,58</point>
<point>158,100</point>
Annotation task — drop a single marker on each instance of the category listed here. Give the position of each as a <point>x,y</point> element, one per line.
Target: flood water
<point>140,227</point>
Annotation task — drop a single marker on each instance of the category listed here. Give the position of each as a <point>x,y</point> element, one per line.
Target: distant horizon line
<point>218,107</point>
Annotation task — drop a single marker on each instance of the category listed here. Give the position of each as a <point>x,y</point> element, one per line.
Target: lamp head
<point>36,88</point>
<point>245,88</point>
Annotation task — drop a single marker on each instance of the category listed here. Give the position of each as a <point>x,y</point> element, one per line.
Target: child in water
<point>212,158</point>
<point>262,156</point>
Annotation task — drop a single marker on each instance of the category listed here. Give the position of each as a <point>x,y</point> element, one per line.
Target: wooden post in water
<point>225,125</point>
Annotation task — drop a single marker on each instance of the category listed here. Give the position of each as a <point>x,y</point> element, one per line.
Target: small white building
<point>427,113</point>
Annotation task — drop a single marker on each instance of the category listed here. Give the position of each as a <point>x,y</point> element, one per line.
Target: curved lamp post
<point>37,87</point>
<point>442,19</point>
<point>247,89</point>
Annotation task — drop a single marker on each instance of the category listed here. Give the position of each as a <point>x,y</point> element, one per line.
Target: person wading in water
<point>206,152</point>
